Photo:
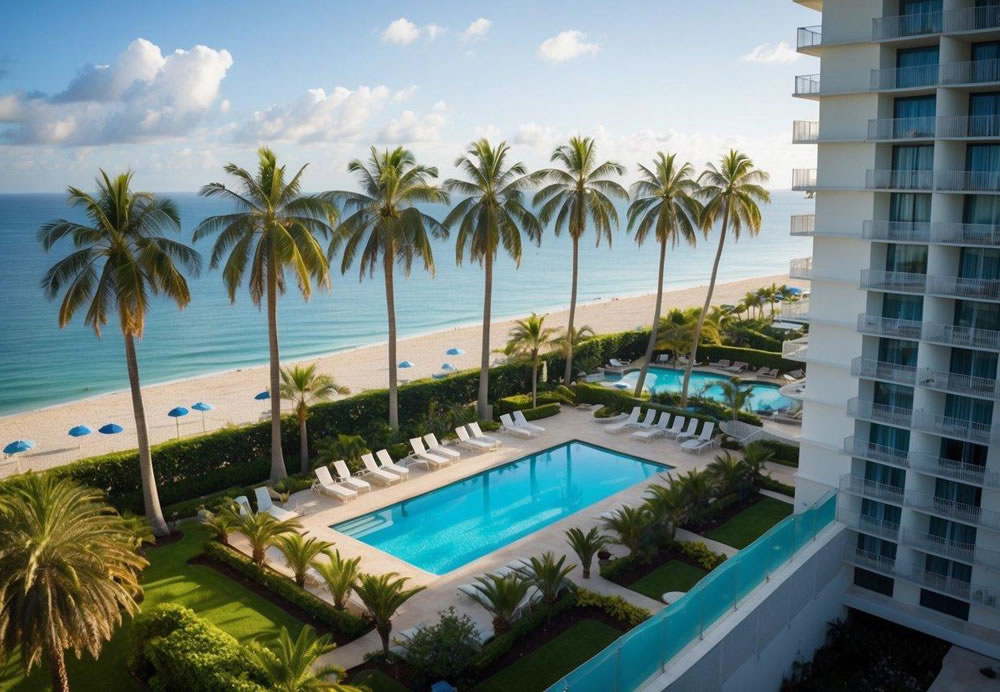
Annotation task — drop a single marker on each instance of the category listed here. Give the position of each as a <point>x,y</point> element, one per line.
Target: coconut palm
<point>303,386</point>
<point>755,458</point>
<point>350,448</point>
<point>586,546</point>
<point>528,338</point>
<point>223,522</point>
<point>492,214</point>
<point>698,487</point>
<point>568,341</point>
<point>340,575</point>
<point>262,530</point>
<point>291,665</point>
<point>383,228</point>
<point>274,230</point>
<point>301,553</point>
<point>667,504</point>
<point>730,475</point>
<point>663,206</point>
<point>121,256</point>
<point>69,571</point>
<point>732,192</point>
<point>630,525</point>
<point>580,190</point>
<point>548,575</point>
<point>382,597</point>
<point>502,596</point>
<point>735,395</point>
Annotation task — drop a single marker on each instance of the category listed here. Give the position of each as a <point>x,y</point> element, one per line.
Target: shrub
<point>614,606</point>
<point>543,411</point>
<point>616,400</point>
<point>521,402</point>
<point>783,453</point>
<point>768,483</point>
<point>700,552</point>
<point>443,650</point>
<point>497,647</point>
<point>745,337</point>
<point>753,357</point>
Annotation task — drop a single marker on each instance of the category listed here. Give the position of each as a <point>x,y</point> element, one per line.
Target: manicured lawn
<point>670,576</point>
<point>168,579</point>
<point>751,523</point>
<point>549,662</point>
<point>378,681</point>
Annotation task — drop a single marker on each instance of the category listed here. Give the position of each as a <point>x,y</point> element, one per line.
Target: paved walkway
<point>960,672</point>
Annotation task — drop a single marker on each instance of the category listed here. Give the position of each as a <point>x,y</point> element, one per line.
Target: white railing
<point>897,231</point>
<point>880,413</point>
<point>985,234</point>
<point>961,287</point>
<point>893,179</point>
<point>972,18</point>
<point>805,131</point>
<point>795,349</point>
<point>901,128</point>
<point>806,85</point>
<point>801,268</point>
<point>972,72</point>
<point>959,126</point>
<point>744,433</point>
<point>968,181</point>
<point>988,596</point>
<point>935,465</point>
<point>951,335</point>
<point>870,525</point>
<point>904,77</point>
<point>869,560</point>
<point>938,582</point>
<point>960,428</point>
<point>871,368</point>
<point>956,550</point>
<point>874,325</point>
<point>901,26</point>
<point>809,36</point>
<point>803,224</point>
<point>803,178</point>
<point>950,509</point>
<point>796,309</point>
<point>958,383</point>
<point>902,282</point>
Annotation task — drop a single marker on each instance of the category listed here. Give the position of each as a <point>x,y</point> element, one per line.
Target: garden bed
<point>750,523</point>
<point>668,568</point>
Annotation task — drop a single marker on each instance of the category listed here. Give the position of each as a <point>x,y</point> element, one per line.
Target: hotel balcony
<point>795,349</point>
<point>874,325</point>
<point>873,490</point>
<point>917,77</point>
<point>963,337</point>
<point>872,369</point>
<point>897,231</point>
<point>906,25</point>
<point>972,19</point>
<point>986,596</point>
<point>870,451</point>
<point>967,181</point>
<point>957,428</point>
<point>879,528</point>
<point>960,287</point>
<point>808,37</point>
<point>933,580</point>
<point>804,225</point>
<point>884,129</point>
<point>972,72</point>
<point>795,311</point>
<point>879,413</point>
<point>811,4</point>
<point>892,179</point>
<point>801,268</point>
<point>968,126</point>
<point>807,86</point>
<point>953,550</point>
<point>895,282</point>
<point>803,179</point>
<point>934,465</point>
<point>957,383</point>
<point>949,509</point>
<point>865,559</point>
<point>978,234</point>
<point>805,131</point>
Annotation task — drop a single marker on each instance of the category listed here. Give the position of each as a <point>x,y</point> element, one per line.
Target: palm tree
<point>492,214</point>
<point>302,385</point>
<point>586,546</point>
<point>262,530</point>
<point>274,230</point>
<point>771,295</point>
<point>569,340</point>
<point>68,572</point>
<point>630,524</point>
<point>121,256</point>
<point>735,394</point>
<point>301,553</point>
<point>340,575</point>
<point>580,190</point>
<point>732,192</point>
<point>527,338</point>
<point>730,474</point>
<point>501,596</point>
<point>350,448</point>
<point>291,666</point>
<point>664,205</point>
<point>698,487</point>
<point>667,504</point>
<point>548,575</point>
<point>755,458</point>
<point>223,522</point>
<point>382,596</point>
<point>386,228</point>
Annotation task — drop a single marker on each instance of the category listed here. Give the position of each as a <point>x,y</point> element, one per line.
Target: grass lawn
<point>670,576</point>
<point>549,662</point>
<point>751,523</point>
<point>378,681</point>
<point>168,579</point>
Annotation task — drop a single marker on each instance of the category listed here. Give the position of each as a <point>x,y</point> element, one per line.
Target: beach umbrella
<point>202,407</point>
<point>406,364</point>
<point>262,396</point>
<point>455,351</point>
<point>794,290</point>
<point>110,429</point>
<point>80,431</point>
<point>178,413</point>
<point>18,446</point>
<point>448,367</point>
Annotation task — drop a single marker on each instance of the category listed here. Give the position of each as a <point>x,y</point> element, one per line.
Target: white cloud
<point>534,135</point>
<point>476,30</point>
<point>403,32</point>
<point>432,31</point>
<point>404,94</point>
<point>143,95</point>
<point>410,127</point>
<point>567,45</point>
<point>224,106</point>
<point>318,116</point>
<point>779,53</point>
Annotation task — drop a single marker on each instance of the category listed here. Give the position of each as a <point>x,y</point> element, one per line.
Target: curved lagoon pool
<point>763,397</point>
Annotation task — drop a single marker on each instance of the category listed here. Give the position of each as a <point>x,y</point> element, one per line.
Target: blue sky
<point>101,84</point>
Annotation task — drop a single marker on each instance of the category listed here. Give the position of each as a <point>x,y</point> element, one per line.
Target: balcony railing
<point>957,383</point>
<point>873,527</point>
<point>872,369</point>
<point>897,231</point>
<point>894,328</point>
<point>972,18</point>
<point>959,428</point>
<point>796,309</point>
<point>972,72</point>
<point>803,178</point>
<point>901,128</point>
<point>809,36</point>
<point>905,77</point>
<point>985,234</point>
<point>869,560</point>
<point>805,224</point>
<point>959,126</point>
<point>902,26</point>
<point>795,349</point>
<point>951,335</point>
<point>804,131</point>
<point>955,550</point>
<point>961,287</point>
<point>880,413</point>
<point>973,474</point>
<point>859,485</point>
<point>938,582</point>
<point>870,451</point>
<point>968,181</point>
<point>892,179</point>
<point>806,85</point>
<point>801,268</point>
<point>968,514</point>
<point>899,282</point>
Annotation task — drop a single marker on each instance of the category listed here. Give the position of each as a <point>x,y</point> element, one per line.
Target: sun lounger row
<point>649,427</point>
<point>517,424</point>
<point>264,504</point>
<point>348,487</point>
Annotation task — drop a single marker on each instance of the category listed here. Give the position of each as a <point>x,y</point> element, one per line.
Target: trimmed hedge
<point>541,411</point>
<point>783,453</point>
<point>753,357</point>
<point>521,402</point>
<point>341,621</point>
<point>744,337</point>
<point>768,483</point>
<point>613,606</point>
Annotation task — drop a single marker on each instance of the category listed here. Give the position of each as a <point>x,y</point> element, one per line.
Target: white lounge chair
<point>437,448</point>
<point>724,364</point>
<point>663,358</point>
<point>738,366</point>
<point>702,442</point>
<point>762,372</point>
<point>654,431</point>
<point>465,441</point>
<point>264,504</point>
<point>612,419</point>
<point>511,427</point>
<point>477,434</point>
<point>244,504</point>
<point>387,464</point>
<point>676,428</point>
<point>525,423</point>
<point>425,458</point>
<point>689,431</point>
<point>647,420</point>
<point>632,418</point>
<point>773,372</point>
<point>324,484</point>
<point>378,475</point>
<point>344,476</point>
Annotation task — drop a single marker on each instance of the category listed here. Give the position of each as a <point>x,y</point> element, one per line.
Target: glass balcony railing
<point>872,369</point>
<point>879,413</point>
<point>918,76</point>
<point>905,25</point>
<point>870,451</point>
<point>865,524</point>
<point>963,337</point>
<point>795,349</point>
<point>805,224</point>
<point>957,383</point>
<point>896,282</point>
<point>949,509</point>
<point>801,268</point>
<point>803,178</point>
<point>875,325</point>
<point>961,287</point>
<point>806,85</point>
<point>972,18</point>
<point>797,310</point>
<point>808,37</point>
<point>866,559</point>
<point>897,231</point>
<point>972,72</point>
<point>805,131</point>
<point>953,550</point>
<point>901,128</point>
<point>945,233</point>
<point>968,126</point>
<point>968,181</point>
<point>948,426</point>
<point>892,179</point>
<point>859,485</point>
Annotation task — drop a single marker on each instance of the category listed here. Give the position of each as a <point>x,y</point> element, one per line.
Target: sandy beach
<point>232,393</point>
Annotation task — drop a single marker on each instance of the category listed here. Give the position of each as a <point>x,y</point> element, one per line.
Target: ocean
<point>42,365</point>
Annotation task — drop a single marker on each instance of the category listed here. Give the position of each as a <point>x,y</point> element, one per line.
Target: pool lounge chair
<point>795,375</point>
<point>437,448</point>
<point>676,428</point>
<point>663,358</point>
<point>378,475</point>
<point>615,363</point>
<point>244,504</point>
<point>696,445</point>
<point>773,372</point>
<point>344,478</point>
<point>523,422</point>
<point>632,419</point>
<point>425,458</point>
<point>724,364</point>
<point>738,366</point>
<point>477,434</point>
<point>465,441</point>
<point>689,431</point>
<point>264,504</point>
<point>653,431</point>
<point>511,427</point>
<point>387,464</point>
<point>762,372</point>
<point>324,484</point>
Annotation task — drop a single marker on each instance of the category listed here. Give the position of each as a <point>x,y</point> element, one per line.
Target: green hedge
<point>587,393</point>
<point>521,402</point>
<point>783,453</point>
<point>744,337</point>
<point>341,621</point>
<point>543,411</point>
<point>755,358</point>
<point>769,483</point>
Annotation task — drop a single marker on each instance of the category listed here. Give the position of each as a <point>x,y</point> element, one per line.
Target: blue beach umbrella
<point>110,429</point>
<point>406,364</point>
<point>262,396</point>
<point>80,431</point>
<point>178,413</point>
<point>18,446</point>
<point>794,290</point>
<point>202,407</point>
<point>448,367</point>
<point>455,351</point>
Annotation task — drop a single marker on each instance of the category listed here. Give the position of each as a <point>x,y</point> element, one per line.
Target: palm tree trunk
<point>567,375</point>
<point>383,632</point>
<point>705,308</point>
<point>482,408</point>
<point>656,322</point>
<point>277,459</point>
<point>57,668</point>
<point>150,496</point>
<point>390,308</point>
<point>303,444</point>
<point>534,380</point>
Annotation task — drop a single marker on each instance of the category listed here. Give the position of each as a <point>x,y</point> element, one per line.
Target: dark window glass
<point>911,259</point>
<point>916,66</point>
<point>897,352</point>
<point>909,206</point>
<point>985,50</point>
<point>944,604</point>
<point>893,395</point>
<point>887,475</point>
<point>957,492</point>
<point>873,509</point>
<point>873,582</point>
<point>979,263</point>
<point>888,436</point>
<point>963,452</point>
<point>902,307</point>
<point>977,315</point>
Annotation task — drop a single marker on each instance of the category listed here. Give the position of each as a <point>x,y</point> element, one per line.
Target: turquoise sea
<point>41,365</point>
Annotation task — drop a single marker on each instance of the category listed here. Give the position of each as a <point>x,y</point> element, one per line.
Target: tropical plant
<point>755,458</point>
<point>732,192</point>
<point>548,575</point>
<point>261,531</point>
<point>223,522</point>
<point>735,394</point>
<point>340,575</point>
<point>350,448</point>
<point>303,386</point>
<point>142,532</point>
<point>291,665</point>
<point>383,227</point>
<point>668,505</point>
<point>382,597</point>
<point>586,546</point>
<point>579,190</point>
<point>568,342</point>
<point>502,596</point>
<point>69,571</point>
<point>528,338</point>
<point>301,553</point>
<point>631,526</point>
<point>492,214</point>
<point>698,487</point>
<point>730,475</point>
<point>663,206</point>
<point>121,257</point>
<point>442,651</point>
<point>273,231</point>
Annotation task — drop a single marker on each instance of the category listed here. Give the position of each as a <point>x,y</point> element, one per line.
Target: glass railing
<point>905,77</point>
<point>904,25</point>
<point>893,327</point>
<point>960,126</point>
<point>809,36</point>
<point>900,282</point>
<point>972,18</point>
<point>801,268</point>
<point>897,231</point>
<point>972,72</point>
<point>796,309</point>
<point>805,130</point>
<point>803,178</point>
<point>985,234</point>
<point>646,650</point>
<point>968,181</point>
<point>899,179</point>
<point>804,224</point>
<point>901,128</point>
<point>806,85</point>
<point>873,369</point>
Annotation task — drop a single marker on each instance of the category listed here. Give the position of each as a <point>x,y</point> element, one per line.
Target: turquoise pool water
<point>763,396</point>
<point>451,526</point>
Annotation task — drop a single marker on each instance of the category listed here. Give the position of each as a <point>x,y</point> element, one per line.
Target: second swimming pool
<point>763,395</point>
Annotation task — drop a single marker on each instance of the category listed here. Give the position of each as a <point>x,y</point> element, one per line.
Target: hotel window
<point>985,50</point>
<point>893,395</point>
<point>902,307</point>
<point>960,493</point>
<point>910,206</point>
<point>952,531</point>
<point>879,583</point>
<point>983,161</point>
<point>948,568</point>
<point>944,604</point>
<point>973,363</point>
<point>973,314</point>
<point>910,259</point>
<point>879,511</point>
<point>965,408</point>
<point>966,453</point>
<point>979,263</point>
<point>876,546</point>
<point>916,66</point>
<point>984,114</point>
<point>888,436</point>
<point>886,475</point>
<point>981,213</point>
<point>914,116</point>
<point>897,352</point>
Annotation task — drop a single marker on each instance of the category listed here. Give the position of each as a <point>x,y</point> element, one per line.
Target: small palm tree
<point>730,475</point>
<point>732,192</point>
<point>121,256</point>
<point>630,525</point>
<point>387,229</point>
<point>273,231</point>
<point>142,532</point>
<point>755,458</point>
<point>69,570</point>
<point>735,395</point>
<point>223,522</point>
<point>668,505</point>
<point>586,546</point>
<point>698,487</point>
<point>528,338</point>
<point>303,386</point>
<point>568,341</point>
<point>580,190</point>
<point>350,448</point>
<point>664,206</point>
<point>301,553</point>
<point>493,214</point>
<point>382,596</point>
<point>291,665</point>
<point>340,575</point>
<point>548,575</point>
<point>502,596</point>
<point>262,530</point>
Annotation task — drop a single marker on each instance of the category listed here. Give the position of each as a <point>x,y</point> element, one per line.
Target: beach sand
<point>232,392</point>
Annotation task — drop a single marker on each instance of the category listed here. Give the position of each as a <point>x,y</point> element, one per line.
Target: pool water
<point>453,525</point>
<point>763,395</point>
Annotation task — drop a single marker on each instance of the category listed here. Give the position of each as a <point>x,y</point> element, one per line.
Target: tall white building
<point>902,406</point>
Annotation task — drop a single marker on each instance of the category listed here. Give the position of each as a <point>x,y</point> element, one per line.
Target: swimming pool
<point>460,522</point>
<point>763,395</point>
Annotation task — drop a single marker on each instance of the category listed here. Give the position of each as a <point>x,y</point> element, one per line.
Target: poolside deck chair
<point>378,475</point>
<point>524,423</point>
<point>632,418</point>
<point>615,363</point>
<point>663,358</point>
<point>724,364</point>
<point>762,372</point>
<point>437,448</point>
<point>324,484</point>
<point>264,504</point>
<point>797,374</point>
<point>738,366</point>
<point>387,464</point>
<point>613,419</point>
<point>773,372</point>
<point>654,431</point>
<point>469,443</point>
<point>676,429</point>
<point>244,504</point>
<point>513,428</point>
<point>424,458</point>
<point>345,478</point>
<point>702,442</point>
<point>477,434</point>
<point>689,431</point>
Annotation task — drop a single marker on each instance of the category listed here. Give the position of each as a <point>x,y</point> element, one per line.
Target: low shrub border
<point>768,483</point>
<point>629,569</point>
<point>783,453</point>
<point>543,411</point>
<point>751,356</point>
